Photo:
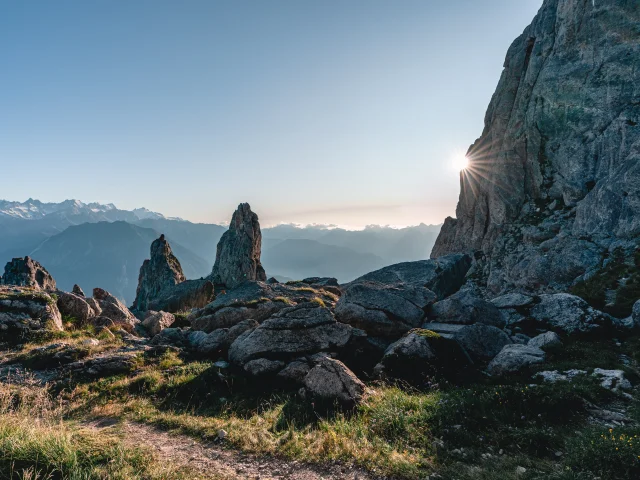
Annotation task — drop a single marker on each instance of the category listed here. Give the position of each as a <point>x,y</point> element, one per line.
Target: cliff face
<point>554,180</point>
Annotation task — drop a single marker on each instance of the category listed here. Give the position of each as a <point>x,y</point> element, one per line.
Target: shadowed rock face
<point>238,252</point>
<point>26,272</point>
<point>160,272</point>
<point>555,176</point>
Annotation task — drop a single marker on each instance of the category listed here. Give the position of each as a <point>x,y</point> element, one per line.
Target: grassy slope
<point>483,430</point>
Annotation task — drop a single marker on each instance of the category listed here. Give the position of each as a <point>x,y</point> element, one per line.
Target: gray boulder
<point>26,272</point>
<point>294,331</point>
<point>383,310</point>
<point>105,365</point>
<point>75,306</point>
<point>421,355</point>
<point>23,310</point>
<point>155,322</point>
<point>481,342</point>
<point>263,366</point>
<point>78,291</point>
<point>330,380</point>
<point>208,344</point>
<point>114,309</point>
<point>184,296</point>
<point>443,276</point>
<point>512,300</point>
<point>253,300</point>
<point>238,252</point>
<point>636,313</point>
<point>175,337</point>
<point>466,307</point>
<point>546,341</point>
<point>568,313</point>
<point>515,358</point>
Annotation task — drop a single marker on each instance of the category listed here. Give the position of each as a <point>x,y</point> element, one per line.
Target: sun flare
<point>459,162</point>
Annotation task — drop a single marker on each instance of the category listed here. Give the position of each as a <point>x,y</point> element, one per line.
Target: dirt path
<point>212,461</point>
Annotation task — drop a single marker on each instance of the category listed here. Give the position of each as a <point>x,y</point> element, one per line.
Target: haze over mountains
<point>100,245</point>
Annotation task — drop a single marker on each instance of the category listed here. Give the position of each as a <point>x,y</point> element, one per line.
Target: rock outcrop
<point>26,309</point>
<point>553,184</point>
<point>238,252</point>
<point>26,272</point>
<point>75,307</point>
<point>161,271</point>
<point>113,309</point>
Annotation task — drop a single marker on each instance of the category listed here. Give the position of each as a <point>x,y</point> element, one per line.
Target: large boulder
<point>554,179</point>
<point>466,307</point>
<point>420,356</point>
<point>294,331</point>
<point>636,313</point>
<point>25,309</point>
<point>515,358</point>
<point>256,301</point>
<point>26,272</point>
<point>114,309</point>
<point>546,341</point>
<point>481,342</point>
<point>76,307</point>
<point>383,310</point>
<point>443,276</point>
<point>155,322</point>
<point>330,380</point>
<point>567,313</point>
<point>238,252</point>
<point>183,296</point>
<point>161,271</point>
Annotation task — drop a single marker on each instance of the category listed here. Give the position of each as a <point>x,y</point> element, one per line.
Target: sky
<point>336,112</point>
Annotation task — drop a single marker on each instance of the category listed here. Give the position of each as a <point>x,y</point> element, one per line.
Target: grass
<point>491,429</point>
<point>35,442</point>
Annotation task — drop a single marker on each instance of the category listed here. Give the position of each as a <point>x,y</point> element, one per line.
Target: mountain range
<point>94,244</point>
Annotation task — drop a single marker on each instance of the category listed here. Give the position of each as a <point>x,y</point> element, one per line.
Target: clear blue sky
<point>344,112</point>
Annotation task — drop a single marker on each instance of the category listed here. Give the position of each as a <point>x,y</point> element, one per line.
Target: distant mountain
<point>300,258</point>
<point>90,244</point>
<point>392,245</point>
<point>108,255</point>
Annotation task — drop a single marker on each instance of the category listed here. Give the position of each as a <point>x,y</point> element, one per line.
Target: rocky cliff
<point>553,186</point>
<point>238,252</point>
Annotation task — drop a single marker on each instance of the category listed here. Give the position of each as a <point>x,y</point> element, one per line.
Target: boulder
<point>515,358</point>
<point>421,355</point>
<point>295,371</point>
<point>263,366</point>
<point>253,300</point>
<point>208,344</point>
<point>466,307</point>
<point>161,271</point>
<point>26,309</point>
<point>26,272</point>
<point>443,276</point>
<point>155,322</point>
<point>75,306</point>
<point>238,251</point>
<point>105,365</point>
<point>330,380</point>
<point>114,309</point>
<point>567,313</point>
<point>383,310</point>
<point>292,332</point>
<point>175,337</point>
<point>636,313</point>
<point>184,296</point>
<point>545,341</point>
<point>481,342</point>
<point>612,379</point>
<point>512,300</point>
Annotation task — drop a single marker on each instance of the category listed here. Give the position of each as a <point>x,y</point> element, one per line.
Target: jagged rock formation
<point>238,252</point>
<point>554,180</point>
<point>26,272</point>
<point>160,272</point>
<point>113,309</point>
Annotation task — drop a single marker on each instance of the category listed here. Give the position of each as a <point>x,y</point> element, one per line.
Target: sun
<point>459,162</point>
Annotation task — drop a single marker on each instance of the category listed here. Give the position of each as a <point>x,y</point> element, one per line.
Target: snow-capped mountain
<point>85,212</point>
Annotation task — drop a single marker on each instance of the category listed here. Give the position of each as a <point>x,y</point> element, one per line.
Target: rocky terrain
<point>513,353</point>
